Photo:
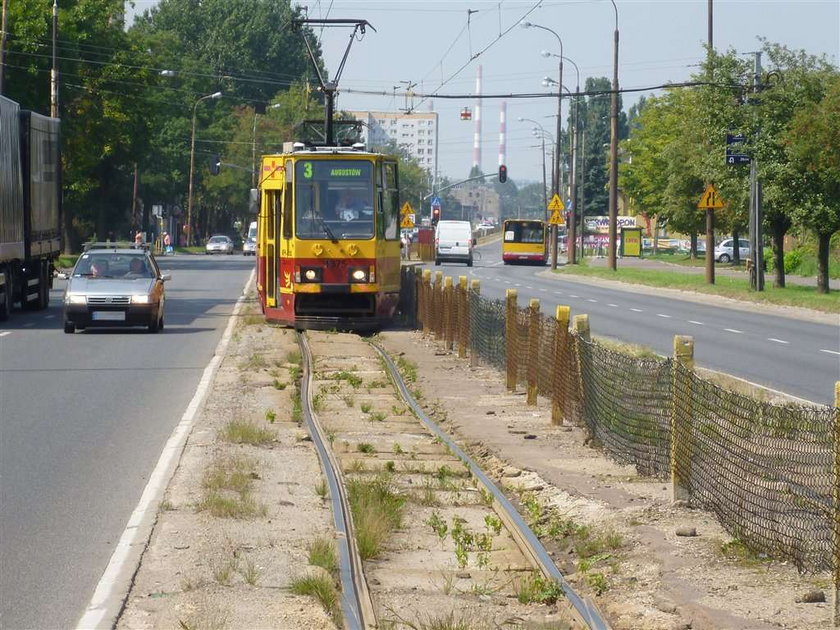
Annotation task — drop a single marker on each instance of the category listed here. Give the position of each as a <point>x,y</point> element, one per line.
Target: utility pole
<point>54,70</point>
<point>756,210</point>
<point>710,212</point>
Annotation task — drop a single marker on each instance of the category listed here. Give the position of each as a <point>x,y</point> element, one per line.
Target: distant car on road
<point>219,244</point>
<point>725,251</point>
<point>249,247</point>
<point>114,286</point>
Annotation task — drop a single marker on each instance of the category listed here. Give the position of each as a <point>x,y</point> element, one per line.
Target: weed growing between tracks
<point>377,510</point>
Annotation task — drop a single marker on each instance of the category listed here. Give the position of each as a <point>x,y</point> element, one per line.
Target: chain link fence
<point>770,472</point>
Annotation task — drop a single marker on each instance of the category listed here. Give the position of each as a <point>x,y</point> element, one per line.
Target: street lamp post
<point>557,153</point>
<point>214,95</point>
<point>613,210</point>
<point>542,138</point>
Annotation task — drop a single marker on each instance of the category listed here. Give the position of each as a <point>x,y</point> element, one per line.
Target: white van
<point>454,242</point>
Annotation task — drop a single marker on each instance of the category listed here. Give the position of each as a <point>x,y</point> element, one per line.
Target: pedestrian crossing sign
<point>406,209</point>
<point>556,204</point>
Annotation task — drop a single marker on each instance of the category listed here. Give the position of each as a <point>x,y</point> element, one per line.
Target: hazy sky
<point>438,46</point>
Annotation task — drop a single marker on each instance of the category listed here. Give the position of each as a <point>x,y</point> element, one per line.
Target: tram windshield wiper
<point>326,228</point>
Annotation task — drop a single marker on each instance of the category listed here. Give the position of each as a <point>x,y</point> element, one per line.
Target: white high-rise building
<point>417,133</point>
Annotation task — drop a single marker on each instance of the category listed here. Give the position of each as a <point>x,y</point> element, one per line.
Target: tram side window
<point>390,202</point>
<point>274,209</point>
<point>287,202</point>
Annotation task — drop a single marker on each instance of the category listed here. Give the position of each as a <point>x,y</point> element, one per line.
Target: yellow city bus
<point>525,241</point>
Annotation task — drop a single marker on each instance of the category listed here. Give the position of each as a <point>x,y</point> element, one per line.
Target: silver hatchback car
<point>114,286</point>
<point>219,244</point>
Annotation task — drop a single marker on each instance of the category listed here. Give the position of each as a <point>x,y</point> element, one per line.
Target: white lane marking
<point>732,330</point>
<point>108,597</point>
<point>637,310</point>
<point>50,317</point>
<point>613,305</point>
<point>4,333</point>
<point>777,340</point>
<point>591,300</point>
<point>663,315</point>
<point>572,295</point>
<point>558,293</point>
<point>829,351</point>
<point>543,290</point>
<point>692,321</point>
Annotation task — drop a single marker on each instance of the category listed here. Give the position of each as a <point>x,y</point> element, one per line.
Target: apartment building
<point>417,133</point>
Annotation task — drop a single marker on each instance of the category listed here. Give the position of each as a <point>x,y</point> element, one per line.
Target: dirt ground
<point>202,571</point>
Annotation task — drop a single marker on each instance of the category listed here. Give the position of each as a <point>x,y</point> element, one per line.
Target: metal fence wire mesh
<point>487,329</point>
<point>764,469</point>
<point>627,406</point>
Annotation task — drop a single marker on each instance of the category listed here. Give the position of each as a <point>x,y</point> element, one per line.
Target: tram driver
<point>349,206</point>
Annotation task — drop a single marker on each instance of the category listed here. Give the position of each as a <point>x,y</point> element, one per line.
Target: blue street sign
<point>435,202</point>
<point>737,158</point>
<point>735,138</point>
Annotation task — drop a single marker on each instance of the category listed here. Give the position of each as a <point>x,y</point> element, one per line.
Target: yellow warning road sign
<point>710,199</point>
<point>407,221</point>
<point>406,209</point>
<point>556,204</point>
<point>557,218</point>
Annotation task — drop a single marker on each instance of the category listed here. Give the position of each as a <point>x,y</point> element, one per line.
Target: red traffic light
<point>435,215</point>
<point>502,173</point>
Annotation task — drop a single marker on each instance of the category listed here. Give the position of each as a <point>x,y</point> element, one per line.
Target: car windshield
<point>113,265</point>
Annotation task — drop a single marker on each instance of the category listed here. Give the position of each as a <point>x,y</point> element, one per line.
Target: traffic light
<point>502,173</point>
<point>435,215</point>
<point>215,164</point>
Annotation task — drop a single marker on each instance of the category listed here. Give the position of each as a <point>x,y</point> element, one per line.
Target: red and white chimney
<point>503,133</point>
<point>477,134</point>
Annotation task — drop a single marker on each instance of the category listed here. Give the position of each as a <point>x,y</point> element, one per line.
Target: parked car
<point>114,286</point>
<point>249,247</point>
<point>725,252</point>
<point>454,242</point>
<point>219,244</point>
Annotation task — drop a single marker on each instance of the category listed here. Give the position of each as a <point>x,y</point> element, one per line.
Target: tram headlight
<point>308,274</point>
<point>362,274</point>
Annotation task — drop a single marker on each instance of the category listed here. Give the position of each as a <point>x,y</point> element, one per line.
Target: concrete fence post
<point>475,291</point>
<point>561,367</point>
<point>425,301</point>
<point>437,305</point>
<point>463,317</point>
<point>580,325</point>
<point>448,313</point>
<point>836,496</point>
<point>511,334</point>
<point>681,418</point>
<point>532,359</point>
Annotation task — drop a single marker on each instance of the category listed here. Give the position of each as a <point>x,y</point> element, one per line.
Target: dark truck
<point>30,206</point>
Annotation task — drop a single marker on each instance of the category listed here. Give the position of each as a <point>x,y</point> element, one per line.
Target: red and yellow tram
<point>328,238</point>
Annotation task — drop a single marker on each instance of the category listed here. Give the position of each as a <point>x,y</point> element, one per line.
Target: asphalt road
<point>792,355</point>
<point>83,420</point>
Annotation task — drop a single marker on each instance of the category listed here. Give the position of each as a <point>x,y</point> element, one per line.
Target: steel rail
<point>356,604</point>
<point>528,542</point>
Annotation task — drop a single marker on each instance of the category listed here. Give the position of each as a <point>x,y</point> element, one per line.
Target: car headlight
<point>140,299</point>
<point>76,298</point>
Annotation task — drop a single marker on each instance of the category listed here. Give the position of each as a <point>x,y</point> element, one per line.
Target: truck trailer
<point>30,206</point>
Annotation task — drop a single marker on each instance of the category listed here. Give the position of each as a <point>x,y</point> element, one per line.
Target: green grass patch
<point>227,489</point>
<point>322,554</point>
<point>322,588</point>
<point>246,432</point>
<point>536,589</point>
<point>726,286</point>
<point>377,510</point>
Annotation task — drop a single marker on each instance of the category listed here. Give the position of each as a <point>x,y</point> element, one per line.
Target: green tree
<point>811,142</point>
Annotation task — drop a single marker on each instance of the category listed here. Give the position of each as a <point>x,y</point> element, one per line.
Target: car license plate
<point>110,316</point>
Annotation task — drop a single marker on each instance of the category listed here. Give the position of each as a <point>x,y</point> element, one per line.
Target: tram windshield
<point>524,232</point>
<point>334,199</point>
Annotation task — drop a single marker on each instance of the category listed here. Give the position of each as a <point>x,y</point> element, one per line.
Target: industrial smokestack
<point>503,133</point>
<point>477,136</point>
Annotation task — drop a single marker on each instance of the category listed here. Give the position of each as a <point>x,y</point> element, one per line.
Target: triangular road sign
<point>556,203</point>
<point>406,209</point>
<point>710,199</point>
<point>557,218</point>
<point>407,221</point>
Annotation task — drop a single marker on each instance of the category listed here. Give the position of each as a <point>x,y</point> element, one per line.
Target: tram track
<point>446,493</point>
